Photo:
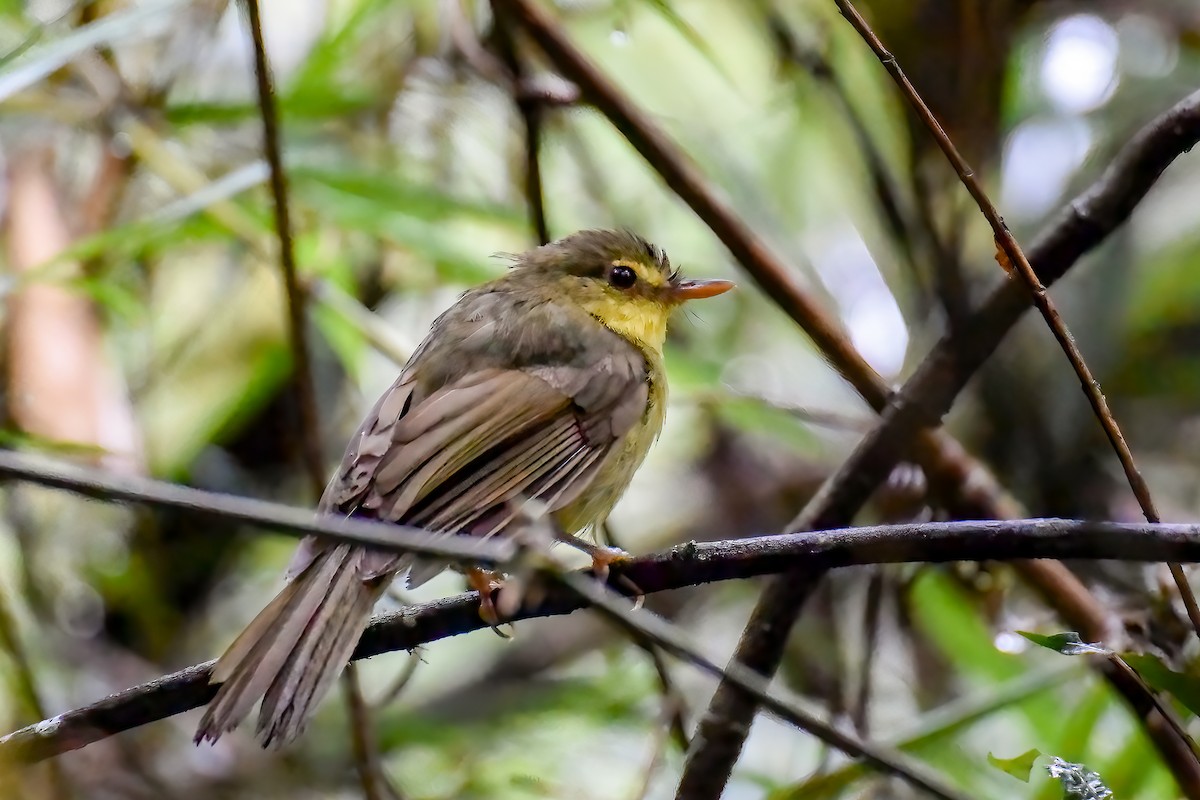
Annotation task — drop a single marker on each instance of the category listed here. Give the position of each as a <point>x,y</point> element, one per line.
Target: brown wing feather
<point>503,476</point>
<point>572,418</point>
<point>515,402</point>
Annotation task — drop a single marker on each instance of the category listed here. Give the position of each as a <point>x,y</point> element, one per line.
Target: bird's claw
<point>485,583</point>
<point>605,557</point>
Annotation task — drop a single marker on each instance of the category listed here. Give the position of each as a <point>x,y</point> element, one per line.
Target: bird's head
<point>619,278</point>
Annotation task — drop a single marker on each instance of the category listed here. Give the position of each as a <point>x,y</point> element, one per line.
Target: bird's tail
<point>292,651</point>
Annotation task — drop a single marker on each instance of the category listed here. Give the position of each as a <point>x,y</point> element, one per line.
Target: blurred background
<point>145,331</point>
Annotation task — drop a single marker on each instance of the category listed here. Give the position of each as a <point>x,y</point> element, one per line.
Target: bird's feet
<point>486,582</point>
<point>605,557</point>
<point>602,559</point>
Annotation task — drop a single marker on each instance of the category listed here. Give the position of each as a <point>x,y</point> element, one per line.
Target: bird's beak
<point>698,290</point>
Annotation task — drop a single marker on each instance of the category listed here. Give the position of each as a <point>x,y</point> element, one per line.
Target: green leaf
<point>117,299</point>
<point>13,439</point>
<point>338,45</point>
<point>392,194</point>
<point>1068,643</point>
<point>1017,766</point>
<point>34,64</point>
<point>673,18</point>
<point>1185,688</point>
<point>949,617</point>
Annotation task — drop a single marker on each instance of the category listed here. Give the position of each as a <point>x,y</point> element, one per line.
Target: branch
<point>1017,261</point>
<point>685,565</point>
<point>1079,228</point>
<point>293,521</point>
<point>530,110</point>
<point>297,330</point>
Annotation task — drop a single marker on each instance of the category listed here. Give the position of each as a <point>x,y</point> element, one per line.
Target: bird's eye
<point>622,277</point>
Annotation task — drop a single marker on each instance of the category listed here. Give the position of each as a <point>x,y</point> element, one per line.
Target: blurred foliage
<point>405,159</point>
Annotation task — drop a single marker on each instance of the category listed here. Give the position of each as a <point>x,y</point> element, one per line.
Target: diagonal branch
<point>1016,260</point>
<point>690,564</point>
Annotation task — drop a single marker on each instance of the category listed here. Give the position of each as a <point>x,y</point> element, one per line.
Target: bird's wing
<point>451,459</point>
<point>575,417</point>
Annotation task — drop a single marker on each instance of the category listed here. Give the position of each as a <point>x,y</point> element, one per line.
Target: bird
<point>545,386</point>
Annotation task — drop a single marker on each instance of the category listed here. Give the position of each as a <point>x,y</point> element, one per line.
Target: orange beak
<point>698,290</point>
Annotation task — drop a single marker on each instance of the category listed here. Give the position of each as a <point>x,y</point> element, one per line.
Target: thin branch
<point>297,327</point>
<point>1016,259</point>
<point>685,565</point>
<point>860,709</point>
<point>667,636</point>
<point>1164,709</point>
<point>658,754</point>
<point>375,784</point>
<point>298,522</point>
<point>673,704</point>
<point>27,692</point>
<point>531,116</point>
<point>401,681</point>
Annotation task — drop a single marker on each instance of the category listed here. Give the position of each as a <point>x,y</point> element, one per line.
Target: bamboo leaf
<point>1017,766</point>
<point>1068,643</point>
<point>1183,687</point>
<point>135,22</point>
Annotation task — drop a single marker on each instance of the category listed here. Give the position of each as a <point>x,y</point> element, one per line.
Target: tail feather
<point>315,662</point>
<point>315,614</point>
<point>287,676</point>
<point>241,687</point>
<point>245,670</point>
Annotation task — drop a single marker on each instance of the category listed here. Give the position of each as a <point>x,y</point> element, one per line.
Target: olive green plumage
<point>546,383</point>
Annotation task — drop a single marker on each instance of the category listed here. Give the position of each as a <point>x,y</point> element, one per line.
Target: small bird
<point>546,385</point>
